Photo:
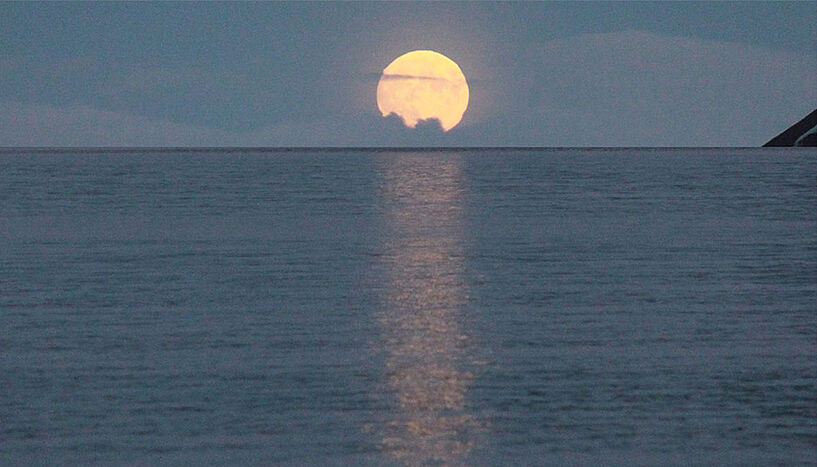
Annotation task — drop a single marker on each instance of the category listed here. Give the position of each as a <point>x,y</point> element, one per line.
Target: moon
<point>421,85</point>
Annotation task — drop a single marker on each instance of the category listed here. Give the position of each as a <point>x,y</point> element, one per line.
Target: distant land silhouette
<point>802,133</point>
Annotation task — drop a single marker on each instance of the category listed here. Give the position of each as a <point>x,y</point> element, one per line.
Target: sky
<point>305,74</point>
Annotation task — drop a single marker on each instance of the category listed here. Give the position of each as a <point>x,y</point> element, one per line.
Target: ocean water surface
<point>408,307</point>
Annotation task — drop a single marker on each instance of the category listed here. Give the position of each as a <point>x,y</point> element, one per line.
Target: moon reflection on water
<point>424,337</point>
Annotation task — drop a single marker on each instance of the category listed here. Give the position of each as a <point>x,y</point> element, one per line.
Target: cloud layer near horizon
<point>628,88</point>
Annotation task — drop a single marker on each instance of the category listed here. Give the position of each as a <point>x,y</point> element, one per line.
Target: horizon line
<point>343,148</point>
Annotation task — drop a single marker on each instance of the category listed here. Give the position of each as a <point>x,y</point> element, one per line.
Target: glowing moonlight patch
<point>423,84</point>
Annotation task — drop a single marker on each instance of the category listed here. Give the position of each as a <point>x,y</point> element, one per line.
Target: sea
<point>475,306</point>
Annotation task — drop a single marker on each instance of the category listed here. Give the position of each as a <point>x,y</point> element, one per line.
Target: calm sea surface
<point>388,307</point>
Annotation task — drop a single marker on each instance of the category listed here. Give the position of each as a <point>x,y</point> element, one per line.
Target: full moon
<point>421,85</point>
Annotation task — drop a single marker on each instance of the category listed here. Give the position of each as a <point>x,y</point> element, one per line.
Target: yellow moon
<point>423,84</point>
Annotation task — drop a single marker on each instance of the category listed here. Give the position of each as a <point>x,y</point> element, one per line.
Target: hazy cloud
<point>639,88</point>
<point>81,125</point>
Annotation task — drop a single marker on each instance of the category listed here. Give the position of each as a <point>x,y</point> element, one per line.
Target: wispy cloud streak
<point>390,76</point>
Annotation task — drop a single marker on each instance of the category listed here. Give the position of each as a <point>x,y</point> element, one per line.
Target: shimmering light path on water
<point>414,307</point>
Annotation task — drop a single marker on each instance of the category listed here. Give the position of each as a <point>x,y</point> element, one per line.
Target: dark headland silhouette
<point>802,133</point>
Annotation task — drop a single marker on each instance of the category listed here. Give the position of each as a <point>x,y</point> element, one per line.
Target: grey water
<point>408,307</point>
